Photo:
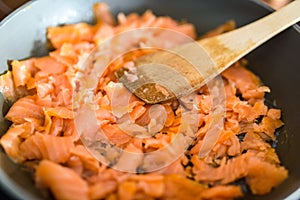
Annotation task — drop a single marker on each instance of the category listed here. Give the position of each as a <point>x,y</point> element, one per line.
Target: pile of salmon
<point>43,136</point>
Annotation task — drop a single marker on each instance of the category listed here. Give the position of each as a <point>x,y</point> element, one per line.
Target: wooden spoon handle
<point>241,41</point>
<point>186,68</point>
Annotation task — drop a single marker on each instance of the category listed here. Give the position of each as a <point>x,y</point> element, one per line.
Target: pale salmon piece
<point>69,129</point>
<point>234,146</point>
<point>136,110</point>
<point>127,190</point>
<point>74,33</point>
<point>170,116</point>
<point>49,66</point>
<point>69,58</point>
<point>63,182</point>
<point>102,13</point>
<point>71,54</point>
<point>11,142</point>
<point>152,188</point>
<point>102,189</point>
<point>157,142</point>
<point>61,112</point>
<point>274,113</point>
<point>88,161</point>
<point>115,134</point>
<point>44,89</point>
<point>105,114</point>
<point>248,112</point>
<point>174,168</point>
<point>263,176</point>
<point>268,126</point>
<point>23,72</point>
<point>252,142</point>
<point>144,119</point>
<point>75,164</point>
<point>178,187</point>
<point>7,86</point>
<point>135,160</point>
<point>62,94</point>
<point>227,172</point>
<point>103,32</point>
<point>224,192</point>
<point>40,146</point>
<point>56,126</point>
<point>25,109</point>
<point>244,79</point>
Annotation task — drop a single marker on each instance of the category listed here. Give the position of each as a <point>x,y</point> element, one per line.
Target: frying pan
<point>22,34</point>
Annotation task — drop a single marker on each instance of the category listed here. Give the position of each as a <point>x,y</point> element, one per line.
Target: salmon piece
<point>22,72</point>
<point>88,161</point>
<point>65,55</point>
<point>63,90</point>
<point>274,113</point>
<point>56,126</point>
<point>44,89</point>
<point>157,142</point>
<point>152,188</point>
<point>71,55</point>
<point>69,129</point>
<point>102,13</point>
<point>115,134</point>
<point>74,33</point>
<point>263,176</point>
<point>63,182</point>
<point>134,155</point>
<point>144,119</point>
<point>227,172</point>
<point>105,114</point>
<point>178,187</point>
<point>248,112</point>
<point>75,164</point>
<point>234,146</point>
<point>136,110</point>
<point>252,142</point>
<point>244,79</point>
<point>257,93</point>
<point>11,142</point>
<point>127,190</point>
<point>232,124</point>
<point>9,90</point>
<point>170,116</point>
<point>25,109</point>
<point>204,103</point>
<point>7,86</point>
<point>61,112</point>
<point>268,126</point>
<point>174,168</point>
<point>103,32</point>
<point>102,189</point>
<point>49,66</point>
<point>40,146</point>
<point>223,192</point>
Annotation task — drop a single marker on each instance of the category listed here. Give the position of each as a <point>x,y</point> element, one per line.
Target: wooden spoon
<point>164,75</point>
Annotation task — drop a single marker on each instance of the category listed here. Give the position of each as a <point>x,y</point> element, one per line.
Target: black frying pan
<point>22,34</point>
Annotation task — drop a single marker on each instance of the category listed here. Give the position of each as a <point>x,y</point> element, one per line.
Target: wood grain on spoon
<point>164,75</point>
